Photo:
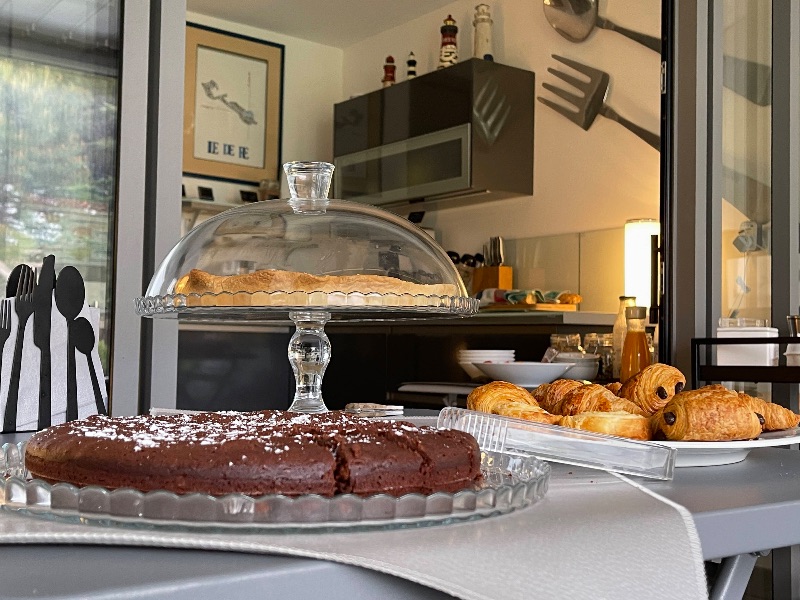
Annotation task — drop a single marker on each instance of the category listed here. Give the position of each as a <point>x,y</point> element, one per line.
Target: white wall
<point>312,83</point>
<point>583,180</point>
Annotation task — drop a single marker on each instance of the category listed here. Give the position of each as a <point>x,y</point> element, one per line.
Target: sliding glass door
<point>733,200</point>
<point>59,107</point>
<point>82,118</point>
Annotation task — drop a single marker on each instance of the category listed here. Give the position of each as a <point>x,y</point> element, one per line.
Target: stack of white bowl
<point>468,358</point>
<point>586,365</point>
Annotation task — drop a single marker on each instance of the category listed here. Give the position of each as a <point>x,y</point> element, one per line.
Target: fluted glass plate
<point>511,482</point>
<point>258,306</point>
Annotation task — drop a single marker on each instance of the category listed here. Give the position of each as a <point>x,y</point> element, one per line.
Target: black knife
<point>42,309</point>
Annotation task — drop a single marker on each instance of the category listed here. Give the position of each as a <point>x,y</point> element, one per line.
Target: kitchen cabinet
<point>453,136</point>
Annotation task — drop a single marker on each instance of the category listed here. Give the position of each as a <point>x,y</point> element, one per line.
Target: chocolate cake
<point>255,453</point>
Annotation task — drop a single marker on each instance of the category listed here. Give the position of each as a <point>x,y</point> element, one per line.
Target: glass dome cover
<point>311,259</point>
<point>260,260</point>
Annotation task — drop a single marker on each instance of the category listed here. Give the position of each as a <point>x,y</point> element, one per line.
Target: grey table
<point>743,510</point>
<point>740,510</point>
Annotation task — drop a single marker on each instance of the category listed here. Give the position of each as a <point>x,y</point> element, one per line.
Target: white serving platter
<point>709,454</point>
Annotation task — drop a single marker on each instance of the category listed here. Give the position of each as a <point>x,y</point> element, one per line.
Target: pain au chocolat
<point>255,453</point>
<point>650,405</point>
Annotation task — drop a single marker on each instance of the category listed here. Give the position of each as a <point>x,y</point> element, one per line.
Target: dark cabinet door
<point>222,370</point>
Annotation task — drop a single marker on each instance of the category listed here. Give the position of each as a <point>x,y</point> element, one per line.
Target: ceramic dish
<point>471,370</point>
<point>525,374</point>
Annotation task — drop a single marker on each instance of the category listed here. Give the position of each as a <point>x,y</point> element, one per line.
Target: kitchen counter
<point>493,318</point>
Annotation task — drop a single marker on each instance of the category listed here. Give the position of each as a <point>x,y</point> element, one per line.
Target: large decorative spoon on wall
<point>576,19</point>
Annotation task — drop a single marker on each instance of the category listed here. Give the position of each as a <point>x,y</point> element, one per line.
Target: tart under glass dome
<point>309,258</point>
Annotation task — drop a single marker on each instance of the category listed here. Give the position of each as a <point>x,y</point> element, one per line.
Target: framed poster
<point>233,90</point>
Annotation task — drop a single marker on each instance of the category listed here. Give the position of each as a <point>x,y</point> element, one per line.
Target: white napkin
<point>593,536</point>
<point>28,399</point>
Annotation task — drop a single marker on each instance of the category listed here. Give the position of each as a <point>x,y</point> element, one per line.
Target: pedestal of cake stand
<point>309,354</point>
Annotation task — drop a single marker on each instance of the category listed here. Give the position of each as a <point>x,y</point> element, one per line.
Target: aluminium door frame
<point>693,166</point>
<point>143,369</point>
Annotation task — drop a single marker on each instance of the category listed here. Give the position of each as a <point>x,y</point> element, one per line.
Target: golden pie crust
<point>255,289</point>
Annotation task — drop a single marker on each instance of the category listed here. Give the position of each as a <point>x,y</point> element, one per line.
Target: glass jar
<point>620,328</point>
<point>635,351</point>
<point>591,342</point>
<point>605,350</point>
<point>566,342</point>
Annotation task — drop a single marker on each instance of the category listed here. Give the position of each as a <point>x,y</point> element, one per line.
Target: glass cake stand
<point>308,234</point>
<point>511,482</point>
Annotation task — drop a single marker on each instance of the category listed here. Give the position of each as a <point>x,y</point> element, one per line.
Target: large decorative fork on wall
<point>591,100</point>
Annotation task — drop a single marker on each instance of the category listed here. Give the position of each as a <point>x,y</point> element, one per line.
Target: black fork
<point>23,304</point>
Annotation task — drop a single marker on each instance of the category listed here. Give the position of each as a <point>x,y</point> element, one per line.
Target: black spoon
<point>70,297</point>
<point>12,283</point>
<point>84,342</point>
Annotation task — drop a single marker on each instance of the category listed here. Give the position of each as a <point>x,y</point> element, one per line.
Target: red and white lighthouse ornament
<point>448,53</point>
<point>388,72</point>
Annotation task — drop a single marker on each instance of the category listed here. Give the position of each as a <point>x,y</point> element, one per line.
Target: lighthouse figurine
<point>388,72</point>
<point>411,66</point>
<point>448,53</point>
<point>483,32</point>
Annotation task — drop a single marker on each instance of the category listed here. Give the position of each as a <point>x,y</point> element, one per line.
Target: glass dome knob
<point>309,183</point>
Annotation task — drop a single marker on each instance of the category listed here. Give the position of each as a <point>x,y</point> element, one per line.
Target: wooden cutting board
<point>530,307</point>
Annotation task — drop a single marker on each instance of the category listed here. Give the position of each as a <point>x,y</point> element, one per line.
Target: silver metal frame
<point>696,175</point>
<point>126,340</point>
<point>148,221</point>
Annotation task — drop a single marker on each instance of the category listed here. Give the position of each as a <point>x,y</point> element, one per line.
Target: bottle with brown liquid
<point>635,351</point>
<point>620,328</point>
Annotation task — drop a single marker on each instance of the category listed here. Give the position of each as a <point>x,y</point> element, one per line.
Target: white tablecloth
<point>595,535</point>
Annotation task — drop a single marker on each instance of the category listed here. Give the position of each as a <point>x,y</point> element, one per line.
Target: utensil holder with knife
<point>500,277</point>
<point>51,371</point>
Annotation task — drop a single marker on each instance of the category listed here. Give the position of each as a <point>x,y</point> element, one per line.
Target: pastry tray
<point>562,444</point>
<point>511,482</point>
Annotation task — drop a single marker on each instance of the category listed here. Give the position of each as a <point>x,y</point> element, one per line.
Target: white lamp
<point>637,258</point>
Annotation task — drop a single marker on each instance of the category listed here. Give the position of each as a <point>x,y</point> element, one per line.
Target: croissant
<point>549,395</point>
<point>520,410</point>
<point>652,387</point>
<point>706,414</point>
<point>484,398</point>
<point>617,423</point>
<point>592,397</point>
<point>614,386</point>
<point>775,416</point>
<point>508,400</point>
